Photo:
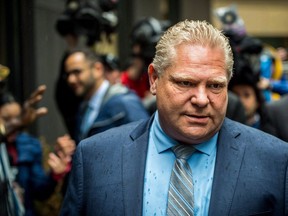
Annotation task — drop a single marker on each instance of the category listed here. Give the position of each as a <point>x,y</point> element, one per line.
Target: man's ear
<point>98,69</point>
<point>153,79</point>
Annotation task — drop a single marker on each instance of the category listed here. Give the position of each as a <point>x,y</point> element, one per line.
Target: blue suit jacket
<point>108,171</point>
<point>119,106</point>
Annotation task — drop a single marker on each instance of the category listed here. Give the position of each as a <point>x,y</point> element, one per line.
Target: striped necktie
<point>180,194</point>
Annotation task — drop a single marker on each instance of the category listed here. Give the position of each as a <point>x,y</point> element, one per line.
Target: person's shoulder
<point>121,91</point>
<point>234,126</point>
<point>118,88</point>
<point>115,134</point>
<point>240,128</point>
<point>115,92</point>
<point>253,136</point>
<point>119,94</point>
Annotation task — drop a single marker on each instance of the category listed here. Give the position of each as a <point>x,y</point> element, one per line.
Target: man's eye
<point>185,83</point>
<point>74,72</point>
<point>246,95</point>
<point>216,86</point>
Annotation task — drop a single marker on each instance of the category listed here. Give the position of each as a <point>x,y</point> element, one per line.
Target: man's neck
<point>94,90</point>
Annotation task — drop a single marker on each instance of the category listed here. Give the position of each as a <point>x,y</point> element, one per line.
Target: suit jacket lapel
<point>228,162</point>
<point>134,160</point>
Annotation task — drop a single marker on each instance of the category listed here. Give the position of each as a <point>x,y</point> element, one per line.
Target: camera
<point>146,33</point>
<point>246,49</point>
<point>88,18</point>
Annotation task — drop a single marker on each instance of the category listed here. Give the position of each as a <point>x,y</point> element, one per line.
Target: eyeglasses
<point>75,72</point>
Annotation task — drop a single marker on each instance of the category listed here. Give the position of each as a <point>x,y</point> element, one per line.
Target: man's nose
<point>200,97</point>
<point>71,78</point>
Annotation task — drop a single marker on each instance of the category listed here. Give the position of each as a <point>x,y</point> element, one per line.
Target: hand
<point>66,144</point>
<point>263,83</point>
<point>30,113</point>
<point>19,191</point>
<point>59,163</point>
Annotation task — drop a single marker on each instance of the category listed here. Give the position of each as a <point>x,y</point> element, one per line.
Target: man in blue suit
<point>234,170</point>
<point>103,105</point>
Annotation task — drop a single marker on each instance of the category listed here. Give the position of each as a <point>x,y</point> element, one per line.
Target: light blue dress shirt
<point>93,109</point>
<point>159,164</point>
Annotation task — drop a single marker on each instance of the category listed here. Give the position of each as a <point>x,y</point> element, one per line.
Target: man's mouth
<point>201,119</point>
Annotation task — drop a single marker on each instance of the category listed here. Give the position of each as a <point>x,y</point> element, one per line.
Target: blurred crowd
<point>259,79</point>
<point>93,94</point>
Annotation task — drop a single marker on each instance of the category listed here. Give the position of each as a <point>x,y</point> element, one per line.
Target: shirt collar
<point>164,142</point>
<point>96,99</point>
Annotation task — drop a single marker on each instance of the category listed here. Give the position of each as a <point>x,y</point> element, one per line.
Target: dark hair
<point>89,54</point>
<point>6,98</point>
<point>245,76</point>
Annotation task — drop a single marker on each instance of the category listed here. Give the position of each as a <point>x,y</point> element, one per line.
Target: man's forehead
<point>77,59</point>
<point>77,56</point>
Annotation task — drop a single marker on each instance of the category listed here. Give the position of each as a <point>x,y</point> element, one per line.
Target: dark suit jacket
<point>278,111</point>
<point>108,171</point>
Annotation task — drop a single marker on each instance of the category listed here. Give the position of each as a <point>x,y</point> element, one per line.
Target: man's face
<point>80,75</point>
<point>248,98</point>
<point>192,93</point>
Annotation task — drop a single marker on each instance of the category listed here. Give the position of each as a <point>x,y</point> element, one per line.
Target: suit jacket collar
<point>230,152</point>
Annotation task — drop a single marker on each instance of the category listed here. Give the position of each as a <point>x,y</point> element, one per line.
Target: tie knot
<point>183,151</point>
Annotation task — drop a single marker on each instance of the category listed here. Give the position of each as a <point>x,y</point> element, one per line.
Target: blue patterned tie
<point>181,191</point>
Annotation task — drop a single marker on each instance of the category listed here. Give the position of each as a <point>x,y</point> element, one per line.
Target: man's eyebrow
<point>214,79</point>
<point>74,70</point>
<point>218,79</point>
<point>176,76</point>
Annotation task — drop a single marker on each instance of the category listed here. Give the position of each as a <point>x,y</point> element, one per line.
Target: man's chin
<point>197,135</point>
<point>79,94</point>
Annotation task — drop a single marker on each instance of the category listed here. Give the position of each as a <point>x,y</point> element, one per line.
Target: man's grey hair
<point>195,33</point>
